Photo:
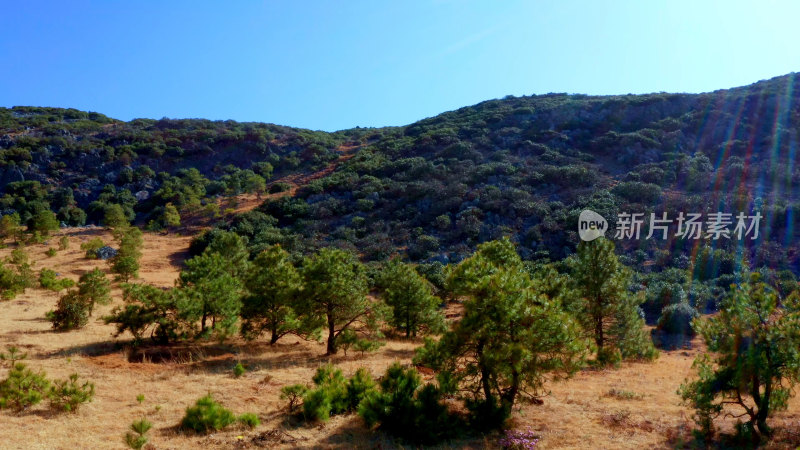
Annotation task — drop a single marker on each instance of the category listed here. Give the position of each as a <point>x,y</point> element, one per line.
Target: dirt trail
<point>243,203</point>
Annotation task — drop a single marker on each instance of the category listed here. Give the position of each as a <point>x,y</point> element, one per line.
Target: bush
<point>294,394</point>
<point>207,415</point>
<point>677,319</point>
<point>94,288</point>
<point>136,438</point>
<point>63,243</point>
<point>359,386</point>
<point>92,246</point>
<point>238,370</point>
<point>249,420</point>
<point>48,280</point>
<point>67,395</point>
<point>405,409</point>
<point>329,397</point>
<point>43,222</point>
<point>22,388</point>
<point>71,313</point>
<point>14,280</point>
<point>50,252</point>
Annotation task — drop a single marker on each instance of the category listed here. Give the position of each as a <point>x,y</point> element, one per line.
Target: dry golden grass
<point>631,407</point>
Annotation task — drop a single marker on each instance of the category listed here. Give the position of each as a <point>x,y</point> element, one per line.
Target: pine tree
<point>274,287</point>
<point>126,261</point>
<point>606,308</point>
<point>414,308</point>
<point>94,288</point>
<point>210,293</point>
<point>336,292</point>
<point>509,338</point>
<point>755,340</point>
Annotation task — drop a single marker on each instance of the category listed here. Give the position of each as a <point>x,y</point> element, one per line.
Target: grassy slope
<point>579,413</point>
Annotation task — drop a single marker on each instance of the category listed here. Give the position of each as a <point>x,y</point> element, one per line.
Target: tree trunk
<point>599,339</point>
<point>331,333</point>
<point>274,338</point>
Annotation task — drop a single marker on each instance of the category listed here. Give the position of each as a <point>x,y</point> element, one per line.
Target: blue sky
<point>333,65</point>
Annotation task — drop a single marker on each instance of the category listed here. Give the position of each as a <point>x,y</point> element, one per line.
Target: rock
<point>142,195</point>
<point>106,252</point>
<point>10,174</point>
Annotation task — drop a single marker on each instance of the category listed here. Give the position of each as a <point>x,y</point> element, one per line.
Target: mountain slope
<point>434,189</point>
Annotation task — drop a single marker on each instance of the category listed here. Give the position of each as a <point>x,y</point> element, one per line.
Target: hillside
<point>431,193</point>
<point>434,189</point>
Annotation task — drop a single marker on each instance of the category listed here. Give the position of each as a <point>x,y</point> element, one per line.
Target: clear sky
<point>338,64</point>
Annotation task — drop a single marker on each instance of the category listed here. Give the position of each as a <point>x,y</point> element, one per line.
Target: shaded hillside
<point>526,166</point>
<point>432,190</point>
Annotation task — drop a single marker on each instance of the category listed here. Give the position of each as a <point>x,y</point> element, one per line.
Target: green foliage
<point>164,315</point>
<point>207,415</point>
<point>43,222</point>
<point>10,227</point>
<point>71,313</point>
<point>67,395</point>
<point>293,394</point>
<point>22,387</point>
<point>91,247</point>
<point>510,339</point>
<point>336,292</point>
<point>94,288</point>
<point>126,262</point>
<point>677,319</point>
<point>16,275</point>
<point>238,370</point>
<point>607,310</point>
<point>171,217</point>
<point>249,420</point>
<point>50,252</point>
<point>136,437</point>
<point>328,397</point>
<point>414,308</point>
<point>233,249</point>
<point>210,294</point>
<point>114,216</point>
<point>48,280</point>
<point>756,342</point>
<point>273,287</point>
<point>406,409</point>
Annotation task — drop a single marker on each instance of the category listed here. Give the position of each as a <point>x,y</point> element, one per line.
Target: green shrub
<point>207,415</point>
<point>359,386</point>
<point>48,280</point>
<point>14,280</point>
<point>249,420</point>
<point>67,395</point>
<point>63,243</point>
<point>238,370</point>
<point>677,319</point>
<point>50,252</point>
<point>91,247</point>
<point>22,387</point>
<point>71,313</point>
<point>294,394</point>
<point>329,397</point>
<point>406,409</point>
<point>94,288</point>
<point>136,438</point>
